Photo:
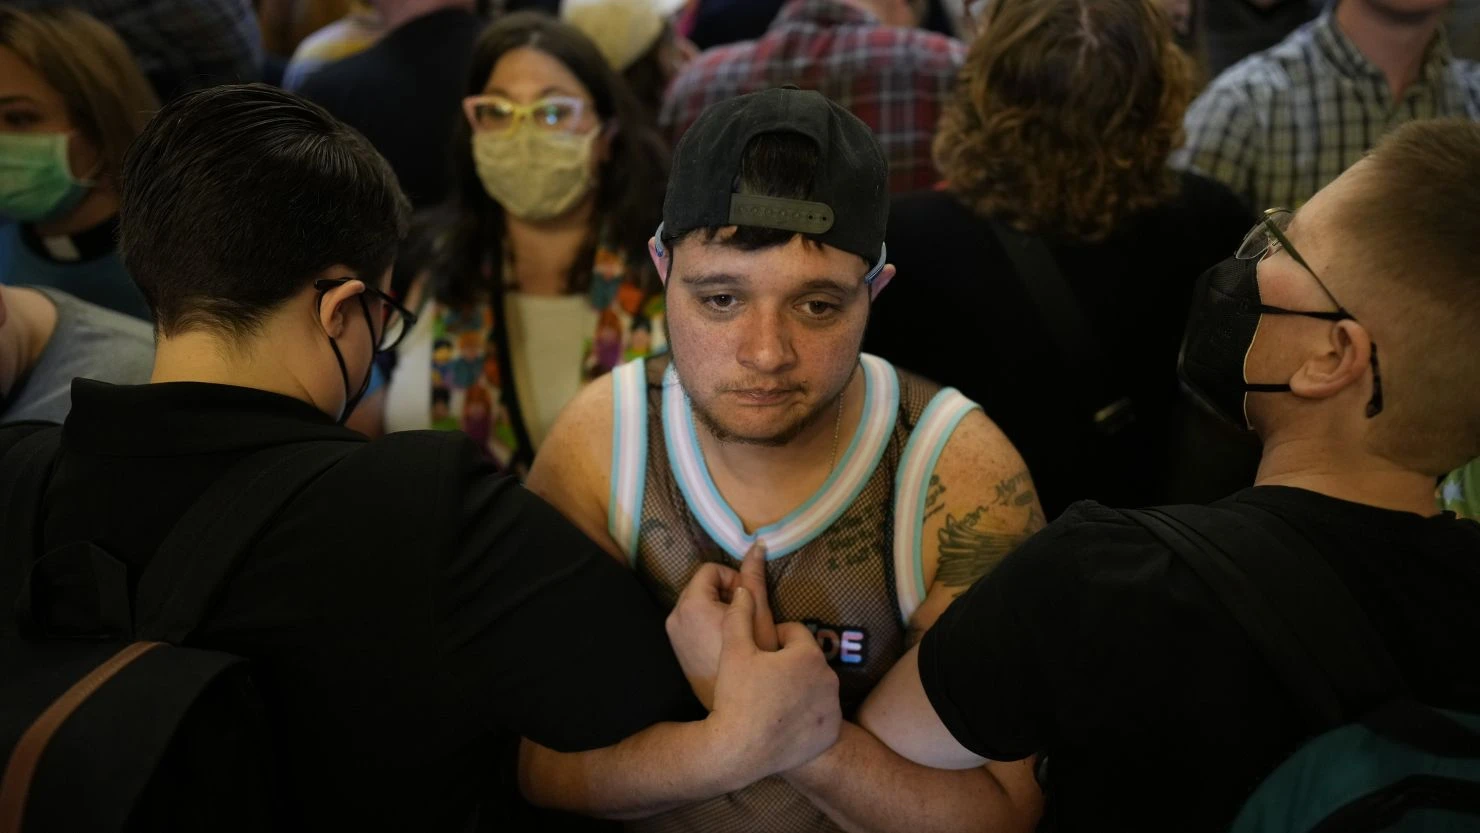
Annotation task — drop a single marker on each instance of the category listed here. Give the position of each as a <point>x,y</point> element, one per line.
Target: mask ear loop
<point>873,274</point>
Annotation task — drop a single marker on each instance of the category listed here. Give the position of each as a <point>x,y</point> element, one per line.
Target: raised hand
<point>753,579</point>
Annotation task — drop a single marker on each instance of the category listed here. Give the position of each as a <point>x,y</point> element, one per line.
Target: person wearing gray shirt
<point>48,338</point>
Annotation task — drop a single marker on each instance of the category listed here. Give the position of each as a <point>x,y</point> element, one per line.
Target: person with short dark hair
<point>867,55</point>
<point>865,497</point>
<point>410,614</point>
<point>71,101</point>
<point>1070,166</point>
<point>1344,334</point>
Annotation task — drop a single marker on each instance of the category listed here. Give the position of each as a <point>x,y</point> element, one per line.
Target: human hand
<point>773,710</point>
<point>694,625</point>
<point>753,579</point>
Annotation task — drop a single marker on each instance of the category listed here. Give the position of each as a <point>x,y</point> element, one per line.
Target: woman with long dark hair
<point>542,280</point>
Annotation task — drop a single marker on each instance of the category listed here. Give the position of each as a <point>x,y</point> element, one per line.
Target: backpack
<point>106,722</point>
<point>1404,766</point>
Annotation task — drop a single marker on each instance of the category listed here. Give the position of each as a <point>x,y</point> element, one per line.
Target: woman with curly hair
<point>1049,276</point>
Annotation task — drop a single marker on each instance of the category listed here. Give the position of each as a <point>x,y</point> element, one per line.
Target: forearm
<point>665,766</point>
<point>865,788</point>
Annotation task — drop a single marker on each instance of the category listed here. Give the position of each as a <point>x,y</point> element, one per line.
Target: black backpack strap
<point>1297,611</point>
<point>1084,357</point>
<point>189,570</point>
<point>25,471</point>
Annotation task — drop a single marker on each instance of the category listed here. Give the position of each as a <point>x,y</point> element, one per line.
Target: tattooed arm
<point>980,505</point>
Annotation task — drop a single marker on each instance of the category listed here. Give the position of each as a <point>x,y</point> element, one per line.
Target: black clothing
<point>405,94</point>
<point>407,616</point>
<point>958,314</point>
<point>1097,645</point>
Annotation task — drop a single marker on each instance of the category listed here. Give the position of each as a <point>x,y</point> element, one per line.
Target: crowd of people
<point>739,415</point>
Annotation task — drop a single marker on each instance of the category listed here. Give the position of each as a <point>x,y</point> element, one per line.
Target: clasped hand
<point>767,685</point>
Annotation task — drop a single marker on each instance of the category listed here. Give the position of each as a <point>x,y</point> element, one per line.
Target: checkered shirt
<point>1280,125</point>
<point>896,80</point>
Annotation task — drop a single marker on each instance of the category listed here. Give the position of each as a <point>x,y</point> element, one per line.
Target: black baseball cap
<point>849,209</point>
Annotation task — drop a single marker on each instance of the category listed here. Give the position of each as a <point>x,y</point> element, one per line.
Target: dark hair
<point>630,189</point>
<point>773,165</point>
<point>1064,115</point>
<point>648,76</point>
<point>235,198</point>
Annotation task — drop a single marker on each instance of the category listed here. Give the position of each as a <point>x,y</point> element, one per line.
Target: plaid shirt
<point>896,80</point>
<point>1279,126</point>
<point>181,45</point>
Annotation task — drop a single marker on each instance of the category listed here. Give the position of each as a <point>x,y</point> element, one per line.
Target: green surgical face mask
<point>535,174</point>
<point>36,182</point>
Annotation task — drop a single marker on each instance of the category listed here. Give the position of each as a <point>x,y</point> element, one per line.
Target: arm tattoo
<point>1016,490</point>
<point>968,553</point>
<point>933,496</point>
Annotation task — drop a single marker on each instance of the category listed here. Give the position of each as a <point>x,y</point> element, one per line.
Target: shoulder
<point>575,465</point>
<point>1262,76</point>
<point>934,53</point>
<point>704,68</point>
<point>11,434</point>
<point>416,462</point>
<point>574,462</point>
<point>1466,72</point>
<point>332,78</point>
<point>1211,206</point>
<point>124,330</point>
<point>591,411</point>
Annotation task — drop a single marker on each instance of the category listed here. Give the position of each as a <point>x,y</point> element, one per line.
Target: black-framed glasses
<point>1269,236</point>
<point>395,320</point>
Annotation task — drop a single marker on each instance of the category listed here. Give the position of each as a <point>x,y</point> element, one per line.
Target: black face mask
<point>352,400</point>
<point>1226,308</point>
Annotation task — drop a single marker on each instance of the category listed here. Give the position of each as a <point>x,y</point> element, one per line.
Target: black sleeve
<point>12,433</point>
<point>1012,653</point>
<point>560,642</point>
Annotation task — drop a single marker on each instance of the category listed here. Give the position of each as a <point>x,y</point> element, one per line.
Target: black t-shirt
<point>1096,645</point>
<point>405,94</point>
<point>407,616</point>
<point>958,315</point>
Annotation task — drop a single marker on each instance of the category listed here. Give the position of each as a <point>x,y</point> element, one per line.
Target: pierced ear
<point>1343,364</point>
<point>881,282</point>
<point>660,259</point>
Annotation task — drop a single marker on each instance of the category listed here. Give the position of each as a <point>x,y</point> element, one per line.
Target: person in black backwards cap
<point>768,453</point>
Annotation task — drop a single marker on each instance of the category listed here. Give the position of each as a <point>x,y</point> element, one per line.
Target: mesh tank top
<point>846,563</point>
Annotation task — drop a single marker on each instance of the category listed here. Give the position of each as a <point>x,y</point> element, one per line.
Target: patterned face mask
<point>535,174</point>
